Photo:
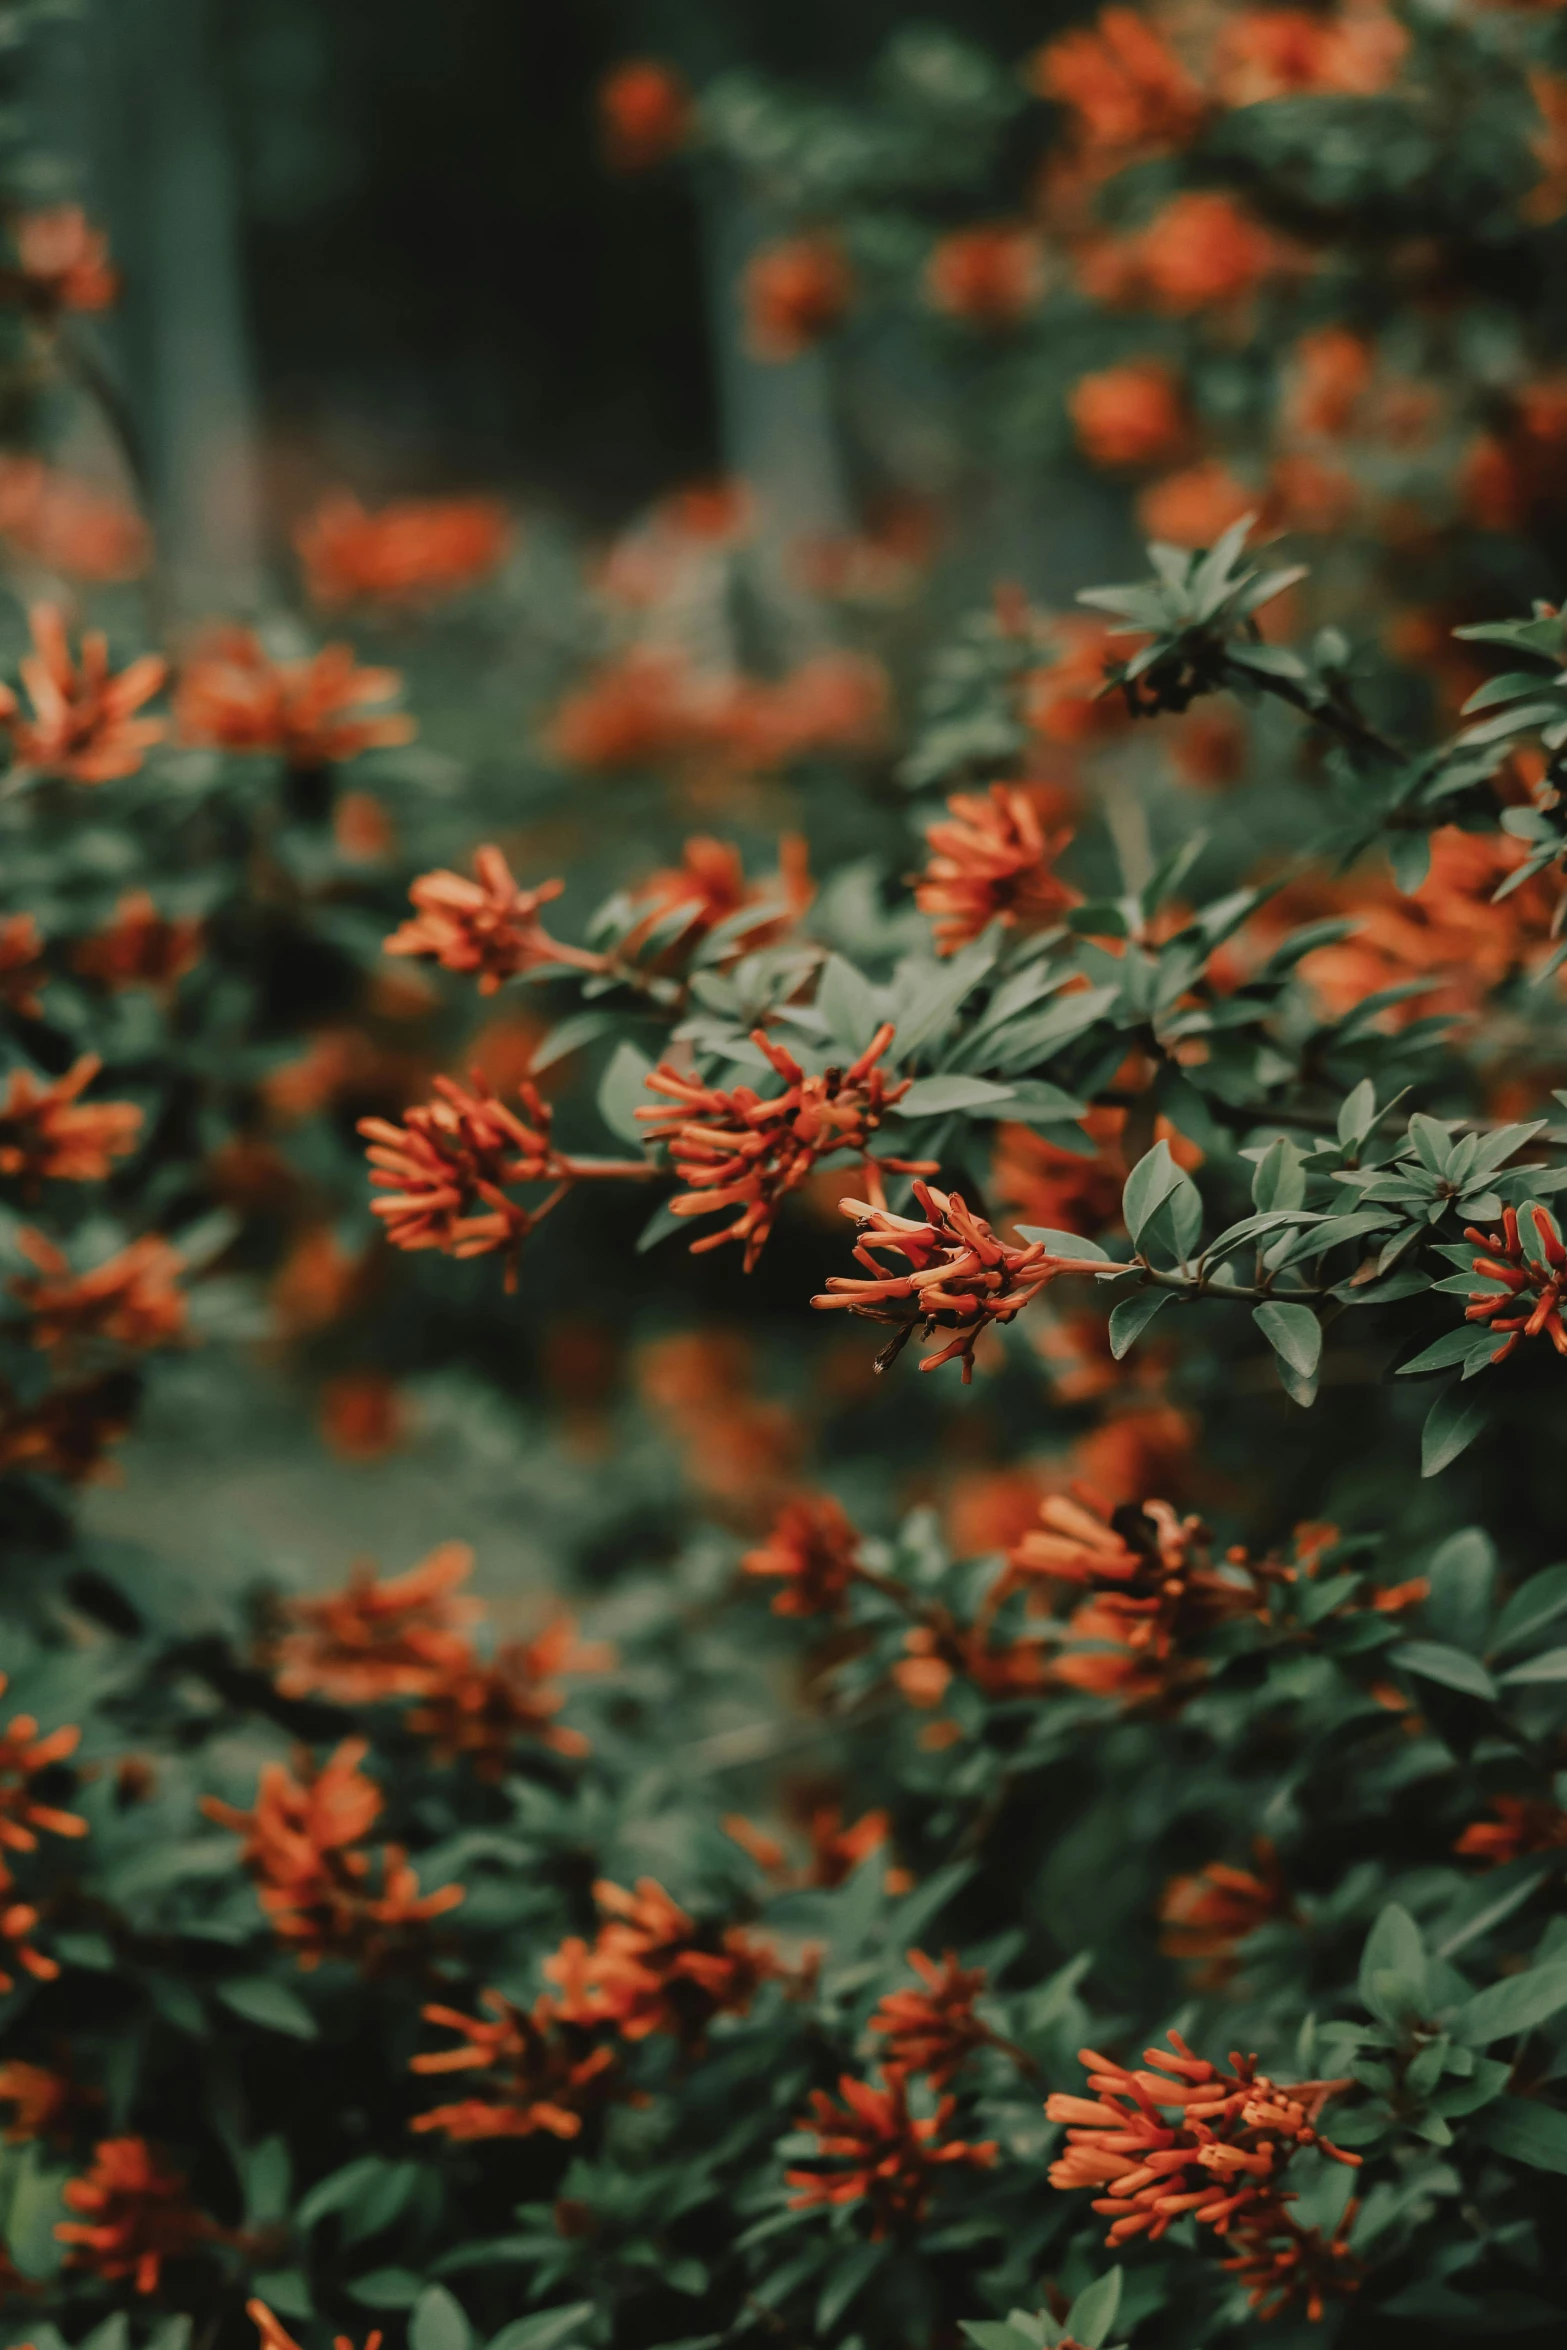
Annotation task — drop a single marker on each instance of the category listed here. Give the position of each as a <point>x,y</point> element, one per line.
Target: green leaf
<point>1092,2314</point>
<point>1453,1668</point>
<point>545,2330</point>
<point>933,1097</point>
<point>1132,1317</point>
<point>1148,1186</point>
<point>1280,1178</point>
<point>1294,1333</point>
<point>263,2000</point>
<point>1516,2004</point>
<point>1451,1426</point>
<point>1462,1573</point>
<point>1454,1346</point>
<point>845,2283</point>
<point>1552,1666</point>
<point>1393,1946</point>
<point>1532,1606</point>
<point>387,2288</point>
<point>439,2322</point>
<point>1357,1114</point>
<point>570,1035</point>
<point>1065,1244</point>
<point>1528,2131</point>
<point>849,1004</point>
<point>621,1088</point>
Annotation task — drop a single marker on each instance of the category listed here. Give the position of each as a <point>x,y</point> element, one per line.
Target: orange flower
<point>83,726</point>
<point>411,552</point>
<point>24,1757</point>
<point>1155,1592</point>
<point>481,1709</point>
<point>132,1299</point>
<point>22,967</point>
<point>1066,701</point>
<point>934,2030</point>
<point>1129,415</point>
<point>1523,1823</point>
<point>141,947</point>
<point>316,1283</point>
<point>991,276</point>
<point>871,2149</point>
<point>543,2071</point>
<point>1210,748</point>
<point>1547,200</point>
<point>710,886</point>
<point>1305,494</point>
<point>488,925</point>
<point>1206,1916</point>
<point>1329,376</point>
<point>137,2215</point>
<point>795,292</point>
<point>362,1415</point>
<point>46,1132</point>
<point>991,861</point>
<point>445,1168</point>
<point>232,696</point>
<point>42,2100</point>
<point>313,1885</point>
<point>636,710</point>
<point>813,1550</point>
<point>645,113</point>
<point>739,1150</point>
<point>1533,1287</point>
<point>651,1968</point>
<point>1194,508</point>
<point>362,831</point>
<point>1066,1192</point>
<point>401,1637</point>
<point>1201,252</point>
<point>67,1433</point>
<point>65,261</point>
<point>961,1280</point>
<point>1125,87</point>
<point>275,2335</point>
<point>647,706</point>
<point>69,526</point>
<point>1266,53</point>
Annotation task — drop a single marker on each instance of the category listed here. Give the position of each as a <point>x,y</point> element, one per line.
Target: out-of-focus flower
<point>542,2072</point>
<point>23,970</point>
<point>873,2149</point>
<point>1532,1287</point>
<point>813,1549</point>
<point>932,2031</point>
<point>1304,493</point>
<point>795,292</point>
<point>1065,700</point>
<point>962,1278</point>
<point>990,276</point>
<point>316,1284</point>
<point>132,1299</point>
<point>488,925</point>
<point>362,831</point>
<point>65,261</point>
<point>1329,374</point>
<point>1067,1191</point>
<point>1547,199</point>
<point>740,1450</point>
<point>651,1968</point>
<point>646,114</point>
<point>316,1888</point>
<point>48,1132</point>
<point>83,725</point>
<point>414,551</point>
<point>1209,748</point>
<point>69,526</point>
<point>232,696</point>
<point>362,1415</point>
<point>710,886</point>
<point>275,2335</point>
<point>68,1432</point>
<point>1129,415</point>
<point>1207,1916</point>
<point>1523,1823</point>
<point>397,1637</point>
<point>647,706</point>
<point>1266,53</point>
<point>24,1756</point>
<point>136,2214</point>
<point>991,860</point>
<point>41,2101</point>
<point>737,1149</point>
<point>1203,251</point>
<point>481,1709</point>
<point>1125,87</point>
<point>1194,508</point>
<point>140,947</point>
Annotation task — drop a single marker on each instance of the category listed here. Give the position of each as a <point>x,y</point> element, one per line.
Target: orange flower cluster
<point>710,887</point>
<point>990,276</point>
<point>487,925</point>
<point>446,1169</point>
<point>67,525</point>
<point>23,970</point>
<point>740,1448</point>
<point>24,1757</point>
<point>132,1299</point>
<point>794,292</point>
<point>543,2070</point>
<point>1222,2159</point>
<point>1523,1823</point>
<point>991,861</point>
<point>48,1133</point>
<point>1202,251</point>
<point>962,1278</point>
<point>935,2030</point>
<point>647,706</point>
<point>743,1151</point>
<point>813,1549</point>
<point>407,1637</point>
<point>651,1968</point>
<point>411,552</point>
<point>1065,701</point>
<point>836,1848</point>
<point>83,727</point>
<point>1208,1915</point>
<point>66,1433</point>
<point>1129,415</point>
<point>140,947</point>
<point>1265,53</point>
<point>314,1886</point>
<point>136,2215</point>
<point>232,696</point>
<point>41,2101</point>
<point>65,261</point>
<point>1534,1288</point>
<point>646,114</point>
<point>1125,87</point>
<point>873,2149</point>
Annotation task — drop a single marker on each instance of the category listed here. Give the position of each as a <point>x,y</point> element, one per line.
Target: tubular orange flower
<point>232,696</point>
<point>991,276</point>
<point>1330,372</point>
<point>66,1433</point>
<point>1155,1591</point>
<point>962,1277</point>
<point>140,947</point>
<point>543,2071</point>
<point>22,967</point>
<point>488,925</point>
<point>65,261</point>
<point>739,1150</point>
<point>275,2335</point>
<point>132,1299</point>
<point>1125,87</point>
<point>813,1549</point>
<point>400,1637</point>
<point>446,1168</point>
<point>1536,1286</point>
<point>410,552</point>
<point>1223,2158</point>
<point>991,861</point>
<point>646,114</point>
<point>136,2215</point>
<point>1281,2263</point>
<point>69,526</point>
<point>1129,415</point>
<point>1523,1823</point>
<point>41,2100</point>
<point>934,2030</point>
<point>710,885</point>
<point>1200,252</point>
<point>872,2149</point>
<point>482,1708</point>
<point>1207,1915</point>
<point>1065,700</point>
<point>795,292</point>
<point>314,1886</point>
<point>651,1968</point>
<point>23,1757</point>
<point>83,726</point>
